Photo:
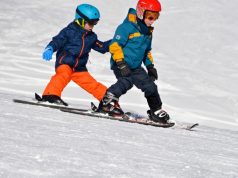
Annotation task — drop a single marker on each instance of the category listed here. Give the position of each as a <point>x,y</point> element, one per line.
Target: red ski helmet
<point>147,5</point>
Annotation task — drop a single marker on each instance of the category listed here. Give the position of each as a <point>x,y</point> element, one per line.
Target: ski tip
<point>191,127</point>
<point>195,125</point>
<point>15,100</point>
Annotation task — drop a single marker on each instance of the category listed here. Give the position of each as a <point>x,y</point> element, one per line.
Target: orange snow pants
<point>64,74</point>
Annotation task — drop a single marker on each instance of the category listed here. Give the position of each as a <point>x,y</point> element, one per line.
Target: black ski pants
<point>142,81</point>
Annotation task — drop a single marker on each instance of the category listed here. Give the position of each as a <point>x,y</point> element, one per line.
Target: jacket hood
<point>131,16</point>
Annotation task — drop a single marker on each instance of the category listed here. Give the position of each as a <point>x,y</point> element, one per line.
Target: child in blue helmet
<point>73,44</point>
<point>130,47</point>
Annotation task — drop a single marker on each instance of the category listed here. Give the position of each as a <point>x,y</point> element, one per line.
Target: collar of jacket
<point>81,29</point>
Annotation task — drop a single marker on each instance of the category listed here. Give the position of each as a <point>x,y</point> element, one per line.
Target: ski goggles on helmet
<point>91,22</point>
<point>151,15</point>
<point>87,20</point>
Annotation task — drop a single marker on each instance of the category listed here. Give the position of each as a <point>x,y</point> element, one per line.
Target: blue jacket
<point>132,42</point>
<point>73,45</point>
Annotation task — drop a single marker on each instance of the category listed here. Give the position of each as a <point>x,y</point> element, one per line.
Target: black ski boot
<point>109,104</point>
<point>54,99</point>
<point>160,116</point>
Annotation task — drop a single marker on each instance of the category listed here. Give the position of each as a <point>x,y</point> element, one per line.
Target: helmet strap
<point>143,16</point>
<point>80,22</point>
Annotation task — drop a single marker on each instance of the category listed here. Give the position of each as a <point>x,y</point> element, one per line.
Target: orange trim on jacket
<point>81,51</point>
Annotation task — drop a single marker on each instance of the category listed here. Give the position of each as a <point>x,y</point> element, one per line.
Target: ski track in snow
<point>195,54</point>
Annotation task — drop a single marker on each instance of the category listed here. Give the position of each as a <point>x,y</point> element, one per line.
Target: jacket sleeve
<point>59,40</point>
<point>119,41</point>
<point>148,59</point>
<point>101,47</point>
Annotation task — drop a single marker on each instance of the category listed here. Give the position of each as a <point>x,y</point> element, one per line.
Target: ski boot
<point>54,99</point>
<point>160,116</point>
<point>109,104</point>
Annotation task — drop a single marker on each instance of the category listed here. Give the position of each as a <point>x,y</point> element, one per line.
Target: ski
<point>181,125</point>
<point>38,102</point>
<point>127,117</point>
<point>131,118</point>
<point>142,118</point>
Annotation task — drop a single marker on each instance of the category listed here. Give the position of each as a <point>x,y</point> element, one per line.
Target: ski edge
<point>123,118</point>
<point>49,105</point>
<point>37,102</point>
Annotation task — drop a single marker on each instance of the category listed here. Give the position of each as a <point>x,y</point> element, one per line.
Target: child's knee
<point>149,89</point>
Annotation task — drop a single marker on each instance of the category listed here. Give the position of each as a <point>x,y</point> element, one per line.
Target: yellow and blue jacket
<point>132,42</point>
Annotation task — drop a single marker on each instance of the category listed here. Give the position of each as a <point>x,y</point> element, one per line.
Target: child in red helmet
<point>73,45</point>
<point>130,47</point>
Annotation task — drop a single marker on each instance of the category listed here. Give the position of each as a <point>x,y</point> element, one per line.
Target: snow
<point>195,51</point>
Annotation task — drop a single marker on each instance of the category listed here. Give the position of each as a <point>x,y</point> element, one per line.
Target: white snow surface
<point>195,49</point>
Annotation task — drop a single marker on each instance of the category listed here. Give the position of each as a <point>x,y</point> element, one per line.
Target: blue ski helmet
<point>88,13</point>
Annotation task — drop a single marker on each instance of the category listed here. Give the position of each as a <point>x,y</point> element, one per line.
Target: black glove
<point>152,72</point>
<point>124,69</point>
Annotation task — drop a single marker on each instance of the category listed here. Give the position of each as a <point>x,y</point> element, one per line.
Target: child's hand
<point>152,72</point>
<point>47,54</point>
<point>125,70</point>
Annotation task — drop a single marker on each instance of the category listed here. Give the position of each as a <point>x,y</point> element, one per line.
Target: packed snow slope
<point>194,48</point>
